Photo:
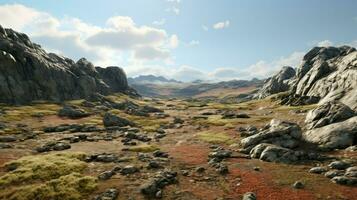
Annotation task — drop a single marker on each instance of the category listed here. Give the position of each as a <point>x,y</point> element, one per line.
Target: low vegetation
<point>214,138</point>
<point>52,176</point>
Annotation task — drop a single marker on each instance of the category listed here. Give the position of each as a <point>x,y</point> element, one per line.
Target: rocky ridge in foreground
<point>28,73</point>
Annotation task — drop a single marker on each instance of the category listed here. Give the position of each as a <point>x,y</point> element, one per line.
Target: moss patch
<point>17,113</point>
<point>30,169</point>
<point>69,187</point>
<point>52,176</point>
<point>214,138</point>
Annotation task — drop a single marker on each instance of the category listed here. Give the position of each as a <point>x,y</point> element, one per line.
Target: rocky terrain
<point>233,91</point>
<point>89,136</point>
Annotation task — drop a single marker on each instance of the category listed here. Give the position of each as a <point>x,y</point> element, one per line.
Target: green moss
<point>17,113</point>
<point>30,169</point>
<point>144,148</point>
<point>69,187</point>
<point>52,176</point>
<point>214,138</point>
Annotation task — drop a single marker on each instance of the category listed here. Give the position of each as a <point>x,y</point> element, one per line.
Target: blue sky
<point>196,39</point>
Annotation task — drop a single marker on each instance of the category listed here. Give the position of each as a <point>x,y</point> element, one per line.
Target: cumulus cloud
<point>75,38</point>
<point>159,22</point>
<point>204,27</point>
<point>221,25</point>
<point>325,43</point>
<point>194,43</point>
<point>260,69</point>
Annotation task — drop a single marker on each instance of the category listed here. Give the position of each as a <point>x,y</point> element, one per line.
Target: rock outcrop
<point>28,73</point>
<point>326,73</point>
<point>278,83</point>
<point>328,113</point>
<point>336,135</point>
<point>281,133</point>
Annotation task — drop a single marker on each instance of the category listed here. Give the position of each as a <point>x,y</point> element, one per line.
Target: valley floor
<point>70,174</point>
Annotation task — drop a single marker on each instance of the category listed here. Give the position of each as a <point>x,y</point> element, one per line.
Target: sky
<point>185,39</point>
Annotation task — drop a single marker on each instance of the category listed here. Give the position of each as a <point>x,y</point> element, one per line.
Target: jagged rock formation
<point>328,113</point>
<point>277,83</point>
<point>28,73</point>
<point>326,73</point>
<point>334,136</point>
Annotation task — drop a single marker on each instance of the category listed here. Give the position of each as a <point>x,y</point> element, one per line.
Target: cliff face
<point>326,73</point>
<point>28,73</point>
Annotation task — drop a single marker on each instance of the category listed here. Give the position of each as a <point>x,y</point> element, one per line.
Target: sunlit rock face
<point>28,73</point>
<point>326,74</point>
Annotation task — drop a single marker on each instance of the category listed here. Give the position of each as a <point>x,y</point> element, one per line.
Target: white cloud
<point>159,22</point>
<point>221,25</point>
<point>194,43</point>
<point>174,41</point>
<point>174,6</point>
<point>325,43</point>
<point>204,27</point>
<point>74,38</point>
<point>174,1</point>
<point>261,69</point>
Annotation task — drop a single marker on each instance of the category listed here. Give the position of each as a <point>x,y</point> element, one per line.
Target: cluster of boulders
<point>281,133</point>
<point>53,146</point>
<point>340,172</point>
<point>73,128</point>
<point>276,142</point>
<point>216,158</point>
<point>153,187</point>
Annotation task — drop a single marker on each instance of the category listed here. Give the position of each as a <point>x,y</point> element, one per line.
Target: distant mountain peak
<point>151,79</point>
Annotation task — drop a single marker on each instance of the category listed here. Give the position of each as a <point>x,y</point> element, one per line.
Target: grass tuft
<point>214,138</point>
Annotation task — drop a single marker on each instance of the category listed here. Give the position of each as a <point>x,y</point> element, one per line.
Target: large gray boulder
<point>337,135</point>
<point>328,113</point>
<point>28,73</point>
<point>273,153</point>
<point>277,83</point>
<point>110,120</point>
<point>282,133</point>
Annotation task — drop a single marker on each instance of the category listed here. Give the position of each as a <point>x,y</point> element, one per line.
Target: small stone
<point>5,146</point>
<point>129,169</point>
<point>161,154</point>
<point>318,170</point>
<point>249,196</point>
<point>185,173</point>
<point>110,194</point>
<point>61,146</point>
<point>158,194</point>
<point>333,173</point>
<point>7,139</point>
<point>153,165</point>
<point>298,185</point>
<point>200,169</point>
<point>106,175</point>
<point>339,165</point>
<point>256,168</point>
